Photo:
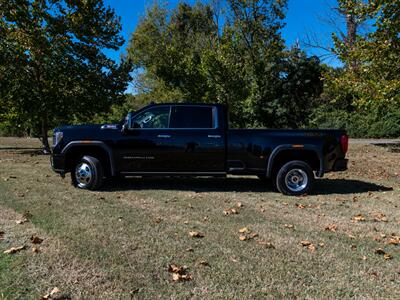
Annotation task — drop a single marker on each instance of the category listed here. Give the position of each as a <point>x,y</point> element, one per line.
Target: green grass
<point>118,243</point>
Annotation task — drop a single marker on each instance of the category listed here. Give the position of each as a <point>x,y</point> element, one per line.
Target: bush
<point>359,124</point>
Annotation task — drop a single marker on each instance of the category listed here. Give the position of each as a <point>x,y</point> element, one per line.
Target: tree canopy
<point>52,65</point>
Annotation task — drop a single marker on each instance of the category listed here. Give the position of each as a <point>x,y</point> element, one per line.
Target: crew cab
<point>194,140</point>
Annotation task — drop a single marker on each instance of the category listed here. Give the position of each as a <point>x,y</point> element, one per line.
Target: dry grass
<point>118,243</point>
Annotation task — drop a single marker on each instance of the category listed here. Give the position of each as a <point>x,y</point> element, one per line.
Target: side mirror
<point>124,129</point>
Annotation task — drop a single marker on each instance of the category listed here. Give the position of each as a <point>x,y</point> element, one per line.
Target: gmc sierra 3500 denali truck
<point>180,139</point>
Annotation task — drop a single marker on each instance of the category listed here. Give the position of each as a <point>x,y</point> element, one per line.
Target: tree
<point>191,54</point>
<point>52,64</point>
<point>375,83</point>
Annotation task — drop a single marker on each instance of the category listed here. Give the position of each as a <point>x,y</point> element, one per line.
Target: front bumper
<point>340,165</point>
<point>58,163</point>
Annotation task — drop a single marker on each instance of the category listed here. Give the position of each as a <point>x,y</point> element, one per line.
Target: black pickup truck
<point>194,140</point>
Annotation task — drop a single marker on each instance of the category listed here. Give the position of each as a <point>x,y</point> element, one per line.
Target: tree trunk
<point>44,138</point>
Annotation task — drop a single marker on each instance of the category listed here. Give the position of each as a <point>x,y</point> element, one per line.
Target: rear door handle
<point>214,136</point>
<point>163,136</point>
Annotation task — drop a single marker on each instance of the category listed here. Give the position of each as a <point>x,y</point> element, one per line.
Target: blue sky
<point>303,17</point>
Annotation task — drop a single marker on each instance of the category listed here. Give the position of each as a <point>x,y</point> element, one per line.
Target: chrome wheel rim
<point>83,175</point>
<point>296,180</point>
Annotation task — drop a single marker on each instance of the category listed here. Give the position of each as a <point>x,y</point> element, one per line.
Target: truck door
<point>146,146</point>
<point>197,139</point>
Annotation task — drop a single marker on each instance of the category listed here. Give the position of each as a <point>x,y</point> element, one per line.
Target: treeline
<point>228,52</point>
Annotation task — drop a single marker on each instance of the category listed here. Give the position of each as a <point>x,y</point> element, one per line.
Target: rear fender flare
<point>280,148</point>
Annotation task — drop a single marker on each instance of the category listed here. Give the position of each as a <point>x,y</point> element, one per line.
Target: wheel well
<point>308,156</point>
<point>76,153</point>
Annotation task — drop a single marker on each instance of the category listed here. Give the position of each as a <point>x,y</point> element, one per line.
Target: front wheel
<point>87,174</point>
<point>295,178</point>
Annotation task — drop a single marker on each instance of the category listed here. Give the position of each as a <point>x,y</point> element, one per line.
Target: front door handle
<point>163,136</point>
<point>214,136</point>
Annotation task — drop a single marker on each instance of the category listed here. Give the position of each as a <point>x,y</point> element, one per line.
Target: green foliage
<point>359,124</point>
<point>185,55</point>
<point>53,69</point>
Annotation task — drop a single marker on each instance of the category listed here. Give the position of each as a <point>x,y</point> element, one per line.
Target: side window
<point>192,117</point>
<point>156,117</point>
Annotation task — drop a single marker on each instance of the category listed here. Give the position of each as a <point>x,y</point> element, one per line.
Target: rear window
<point>192,117</point>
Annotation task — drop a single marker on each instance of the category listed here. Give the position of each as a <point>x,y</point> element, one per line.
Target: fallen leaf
<point>36,240</point>
<point>35,249</point>
<point>394,240</point>
<point>172,268</point>
<point>311,248</point>
<point>189,250</point>
<point>13,250</point>
<point>21,221</point>
<point>305,243</point>
<point>179,277</point>
<point>51,294</point>
<point>204,263</point>
<point>380,217</point>
<point>321,245</point>
<point>358,218</point>
<point>179,273</point>
<point>230,211</point>
<point>290,226</point>
<point>364,258</point>
<point>299,205</point>
<point>353,247</point>
<point>387,256</point>
<point>243,237</point>
<point>196,234</point>
<point>244,230</point>
<point>331,227</point>
<point>239,204</point>
<point>380,251</point>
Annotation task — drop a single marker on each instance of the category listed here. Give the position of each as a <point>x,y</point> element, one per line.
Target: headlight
<point>57,137</point>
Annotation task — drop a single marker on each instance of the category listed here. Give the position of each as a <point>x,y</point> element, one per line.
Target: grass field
<point>118,243</point>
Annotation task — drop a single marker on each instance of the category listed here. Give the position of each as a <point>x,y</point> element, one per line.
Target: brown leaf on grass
<point>244,230</point>
<point>331,227</point>
<point>380,217</point>
<point>36,240</point>
<point>21,221</point>
<point>394,240</point>
<point>299,205</point>
<point>290,226</point>
<point>380,251</point>
<point>172,268</point>
<point>13,250</point>
<point>230,211</point>
<point>179,273</point>
<point>204,263</point>
<point>358,218</point>
<point>387,256</point>
<point>178,277</point>
<point>305,243</point>
<point>239,204</point>
<point>53,293</point>
<point>196,234</point>
<point>243,237</point>
<point>311,247</point>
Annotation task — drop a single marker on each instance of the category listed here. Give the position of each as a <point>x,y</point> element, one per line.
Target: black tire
<point>87,174</point>
<point>295,178</point>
